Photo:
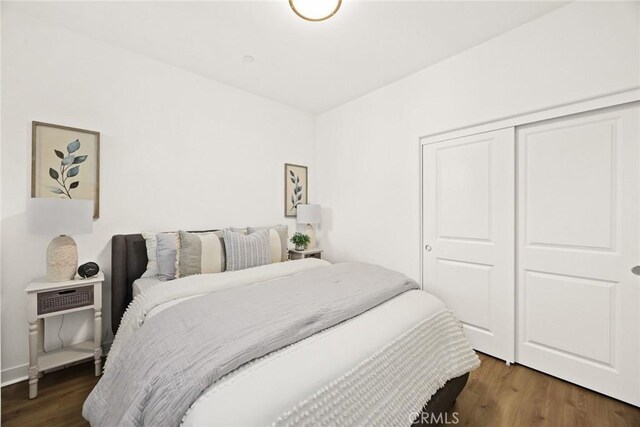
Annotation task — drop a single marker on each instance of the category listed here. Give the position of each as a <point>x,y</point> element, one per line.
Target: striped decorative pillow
<point>246,251</point>
<point>278,238</point>
<point>200,253</point>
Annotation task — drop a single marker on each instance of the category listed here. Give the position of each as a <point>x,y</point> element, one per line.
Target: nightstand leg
<point>33,359</point>
<point>97,341</point>
<point>40,335</point>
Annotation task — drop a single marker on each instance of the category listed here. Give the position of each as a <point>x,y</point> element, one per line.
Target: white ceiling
<point>312,66</point>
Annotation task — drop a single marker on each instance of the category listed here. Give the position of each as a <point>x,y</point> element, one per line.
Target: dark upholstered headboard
<point>128,263</point>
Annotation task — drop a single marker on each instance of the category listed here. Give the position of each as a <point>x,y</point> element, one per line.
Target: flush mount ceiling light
<point>315,10</point>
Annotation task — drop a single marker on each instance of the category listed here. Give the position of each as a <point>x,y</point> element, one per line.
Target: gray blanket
<point>181,351</point>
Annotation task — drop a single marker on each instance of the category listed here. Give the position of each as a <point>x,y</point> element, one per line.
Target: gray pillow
<point>283,235</point>
<point>166,252</point>
<point>200,253</point>
<point>246,251</point>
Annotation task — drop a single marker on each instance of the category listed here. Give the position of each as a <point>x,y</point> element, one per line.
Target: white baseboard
<point>14,375</point>
<point>20,373</point>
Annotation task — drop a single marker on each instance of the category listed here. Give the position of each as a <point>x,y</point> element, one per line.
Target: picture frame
<point>65,163</point>
<point>296,188</point>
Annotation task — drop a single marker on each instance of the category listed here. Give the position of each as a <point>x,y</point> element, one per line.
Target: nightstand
<point>47,299</point>
<point>309,253</point>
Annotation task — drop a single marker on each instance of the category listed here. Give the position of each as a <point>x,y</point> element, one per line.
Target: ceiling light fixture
<point>315,10</point>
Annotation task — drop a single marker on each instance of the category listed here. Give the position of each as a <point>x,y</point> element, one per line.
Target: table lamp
<point>309,215</point>
<point>60,217</point>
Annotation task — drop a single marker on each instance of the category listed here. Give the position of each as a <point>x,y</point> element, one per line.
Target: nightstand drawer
<point>65,299</point>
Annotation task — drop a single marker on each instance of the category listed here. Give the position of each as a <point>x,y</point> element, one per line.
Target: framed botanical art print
<point>65,163</point>
<point>296,189</point>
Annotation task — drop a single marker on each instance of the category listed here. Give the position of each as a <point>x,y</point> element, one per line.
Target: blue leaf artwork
<point>73,146</point>
<point>68,160</point>
<point>69,167</point>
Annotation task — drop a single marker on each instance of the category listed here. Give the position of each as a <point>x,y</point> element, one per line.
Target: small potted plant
<point>301,241</point>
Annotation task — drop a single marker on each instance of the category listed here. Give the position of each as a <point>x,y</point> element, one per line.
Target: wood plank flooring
<point>496,395</point>
<point>501,395</point>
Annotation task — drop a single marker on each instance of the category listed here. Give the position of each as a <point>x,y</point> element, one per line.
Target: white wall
<point>0,183</point>
<point>180,151</point>
<point>367,157</point>
<point>177,151</point>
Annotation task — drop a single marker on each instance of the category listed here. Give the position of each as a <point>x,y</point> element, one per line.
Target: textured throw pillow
<point>166,253</point>
<point>246,251</point>
<point>278,238</point>
<point>200,253</point>
<point>239,230</point>
<point>152,259</point>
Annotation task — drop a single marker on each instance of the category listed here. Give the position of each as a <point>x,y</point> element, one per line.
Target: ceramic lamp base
<point>309,231</point>
<point>62,259</point>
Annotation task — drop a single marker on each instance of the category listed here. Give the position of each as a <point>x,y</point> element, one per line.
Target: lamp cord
<point>59,331</point>
<point>106,334</point>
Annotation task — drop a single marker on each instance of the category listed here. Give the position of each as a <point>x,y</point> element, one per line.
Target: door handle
<point>427,248</point>
<point>636,270</point>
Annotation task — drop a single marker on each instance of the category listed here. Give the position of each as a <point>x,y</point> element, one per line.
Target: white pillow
<point>152,264</point>
<point>157,263</point>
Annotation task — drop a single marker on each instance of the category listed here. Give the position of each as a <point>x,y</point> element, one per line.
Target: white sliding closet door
<point>578,240</point>
<point>468,235</point>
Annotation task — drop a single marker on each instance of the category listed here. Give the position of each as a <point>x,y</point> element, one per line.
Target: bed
<point>376,361</point>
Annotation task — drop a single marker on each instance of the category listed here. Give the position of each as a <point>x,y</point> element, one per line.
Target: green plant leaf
<point>292,180</point>
<point>54,173</point>
<point>73,171</point>
<point>300,239</point>
<point>297,179</point>
<point>79,159</point>
<point>300,196</point>
<point>59,154</point>
<point>292,174</point>
<point>74,184</point>
<point>68,160</point>
<point>73,146</point>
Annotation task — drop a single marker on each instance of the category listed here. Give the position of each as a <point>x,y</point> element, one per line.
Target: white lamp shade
<point>59,216</point>
<point>308,214</point>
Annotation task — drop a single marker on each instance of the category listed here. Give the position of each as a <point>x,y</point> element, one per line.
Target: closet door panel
<point>578,238</point>
<point>468,224</point>
<point>572,174</point>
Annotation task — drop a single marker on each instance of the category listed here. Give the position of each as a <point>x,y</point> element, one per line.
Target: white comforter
<point>261,392</point>
<point>300,383</point>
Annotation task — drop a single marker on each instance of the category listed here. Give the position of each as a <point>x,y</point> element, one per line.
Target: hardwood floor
<point>59,402</point>
<point>501,395</point>
<point>496,395</point>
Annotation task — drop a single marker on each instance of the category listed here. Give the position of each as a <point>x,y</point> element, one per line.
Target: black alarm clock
<point>88,269</point>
